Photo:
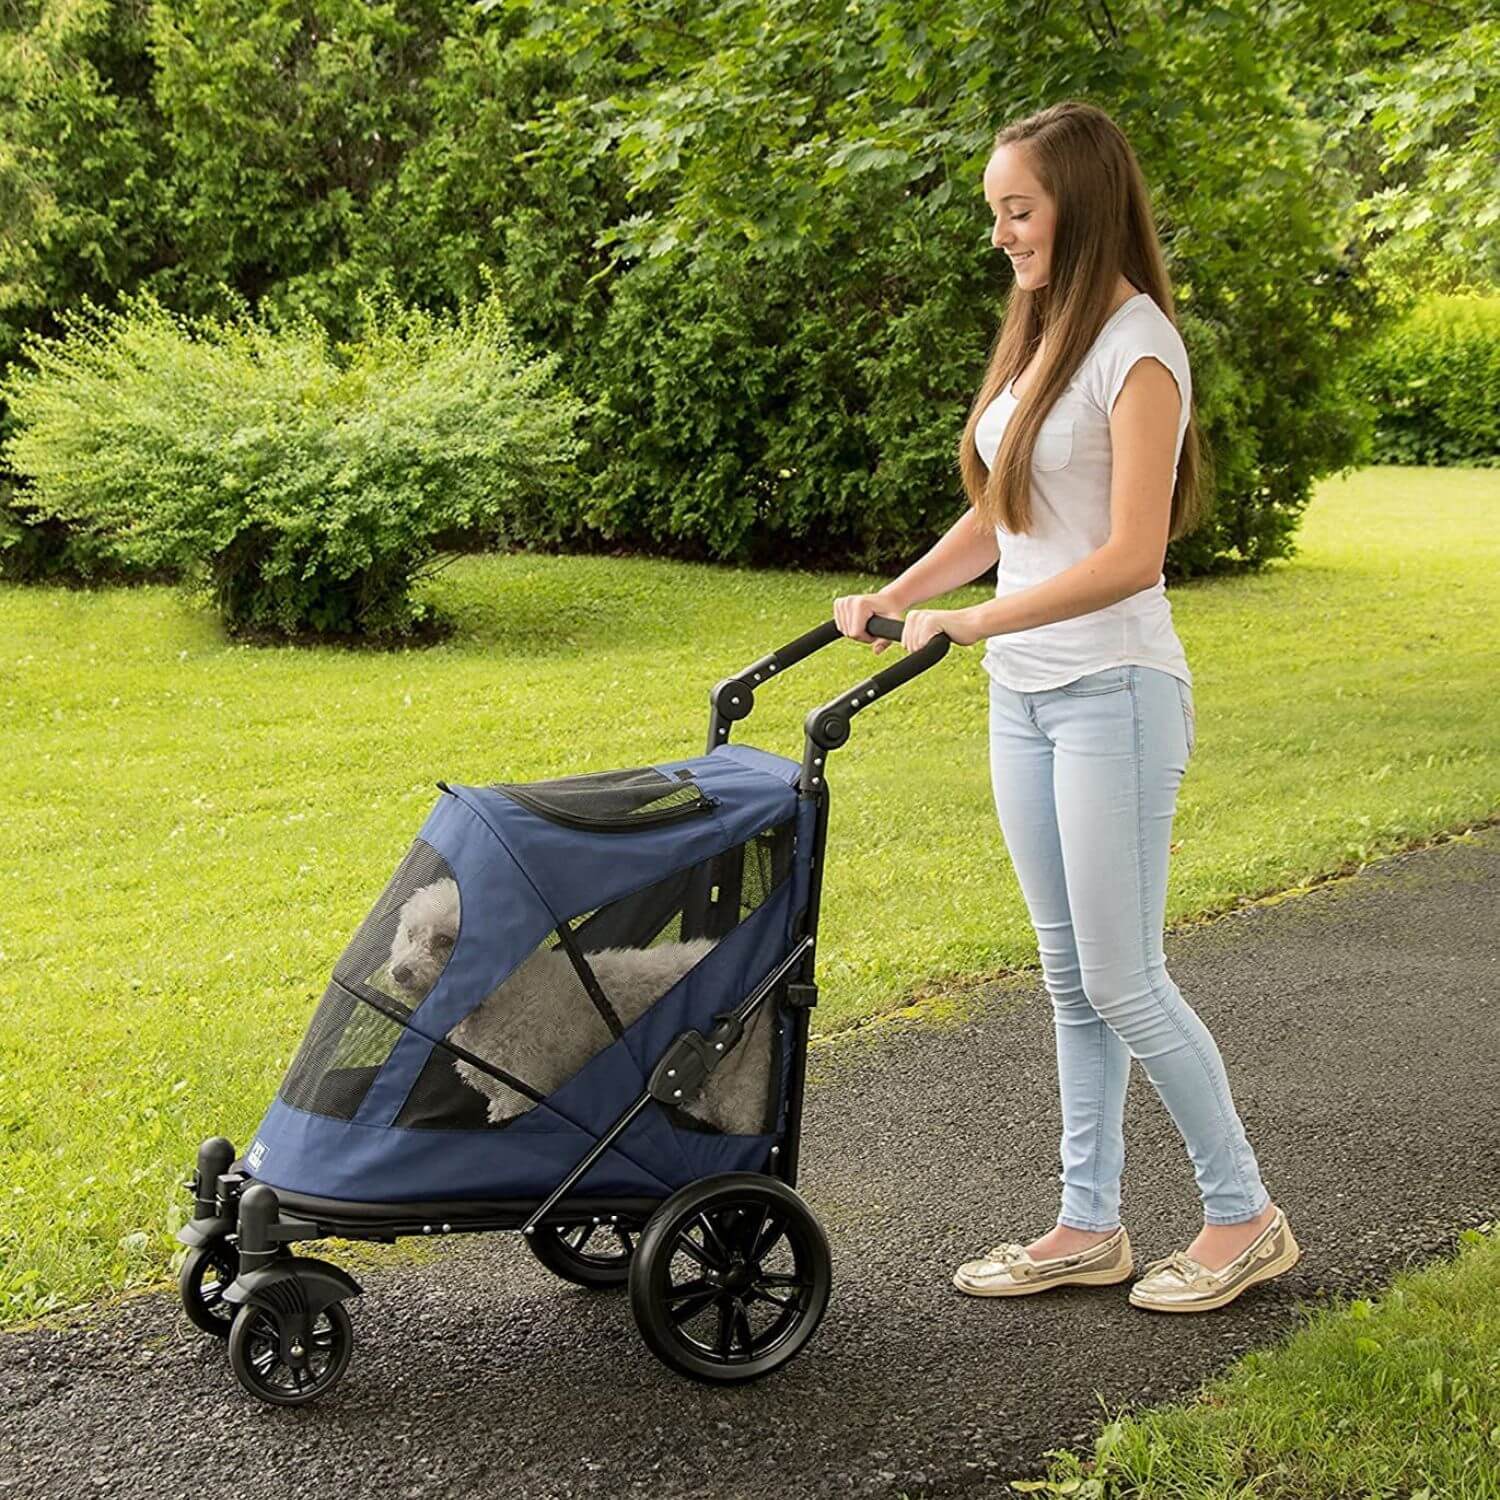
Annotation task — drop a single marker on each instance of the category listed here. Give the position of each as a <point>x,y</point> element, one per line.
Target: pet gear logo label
<point>257,1156</point>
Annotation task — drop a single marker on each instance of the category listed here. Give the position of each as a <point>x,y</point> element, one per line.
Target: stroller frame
<point>240,1279</point>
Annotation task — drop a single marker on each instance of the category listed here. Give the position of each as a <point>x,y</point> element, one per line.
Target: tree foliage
<point>752,231</point>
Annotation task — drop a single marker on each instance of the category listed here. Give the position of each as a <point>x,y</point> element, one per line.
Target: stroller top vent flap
<point>535,950</point>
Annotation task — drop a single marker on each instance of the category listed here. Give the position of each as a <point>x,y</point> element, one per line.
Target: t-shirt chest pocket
<point>1054,442</point>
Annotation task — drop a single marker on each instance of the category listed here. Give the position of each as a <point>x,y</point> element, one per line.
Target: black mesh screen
<point>440,1099</point>
<point>706,900</point>
<point>608,800</point>
<point>343,1050</point>
<point>740,1096</point>
<point>405,942</point>
<point>541,1024</point>
<point>385,972</point>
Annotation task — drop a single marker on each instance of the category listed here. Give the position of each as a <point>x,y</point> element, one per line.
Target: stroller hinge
<point>683,1071</point>
<point>800,996</point>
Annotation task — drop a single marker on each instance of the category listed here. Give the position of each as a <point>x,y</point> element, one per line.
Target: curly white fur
<point>540,1025</point>
<point>425,934</point>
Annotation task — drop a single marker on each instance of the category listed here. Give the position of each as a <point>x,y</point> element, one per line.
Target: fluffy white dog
<point>540,1025</point>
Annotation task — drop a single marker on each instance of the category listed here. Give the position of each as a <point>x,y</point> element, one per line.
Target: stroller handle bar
<point>827,727</point>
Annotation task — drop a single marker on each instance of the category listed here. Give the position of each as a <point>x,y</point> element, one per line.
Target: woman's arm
<point>1104,577</point>
<point>959,556</point>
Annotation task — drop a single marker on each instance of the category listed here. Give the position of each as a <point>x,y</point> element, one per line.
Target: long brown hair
<point>1104,230</point>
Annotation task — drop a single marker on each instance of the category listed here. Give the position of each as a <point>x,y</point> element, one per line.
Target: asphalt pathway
<point>1360,1022</point>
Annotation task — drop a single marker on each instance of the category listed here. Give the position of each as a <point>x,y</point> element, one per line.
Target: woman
<point>1080,459</point>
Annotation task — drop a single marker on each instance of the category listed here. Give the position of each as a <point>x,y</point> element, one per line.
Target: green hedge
<point>753,236</point>
<point>1434,384</point>
<point>308,485</point>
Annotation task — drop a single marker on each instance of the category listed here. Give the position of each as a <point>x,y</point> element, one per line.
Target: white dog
<point>540,1025</point>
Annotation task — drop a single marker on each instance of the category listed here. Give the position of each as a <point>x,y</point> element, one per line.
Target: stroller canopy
<point>531,959</point>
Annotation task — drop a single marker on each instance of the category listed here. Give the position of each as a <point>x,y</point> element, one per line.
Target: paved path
<point>1361,1026</point>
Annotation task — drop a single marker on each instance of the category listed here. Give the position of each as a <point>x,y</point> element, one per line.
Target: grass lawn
<point>191,830</point>
<point>1398,1397</point>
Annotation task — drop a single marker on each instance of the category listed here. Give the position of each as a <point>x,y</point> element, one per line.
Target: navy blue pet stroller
<point>578,1010</point>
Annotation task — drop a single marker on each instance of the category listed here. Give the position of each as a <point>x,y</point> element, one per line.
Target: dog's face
<point>425,934</point>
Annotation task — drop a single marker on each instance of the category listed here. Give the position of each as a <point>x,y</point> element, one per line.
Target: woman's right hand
<point>851,611</point>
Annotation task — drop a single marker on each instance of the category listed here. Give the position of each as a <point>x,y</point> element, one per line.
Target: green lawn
<point>191,830</point>
<point>1393,1399</point>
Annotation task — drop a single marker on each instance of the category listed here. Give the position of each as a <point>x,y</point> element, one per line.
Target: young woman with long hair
<point>1080,458</point>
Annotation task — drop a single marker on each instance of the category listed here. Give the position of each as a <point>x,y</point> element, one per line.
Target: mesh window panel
<point>706,900</point>
<point>406,941</point>
<point>681,918</point>
<point>442,1098</point>
<point>540,1025</point>
<point>393,961</point>
<point>344,1048</point>
<point>612,800</point>
<point>740,1095</point>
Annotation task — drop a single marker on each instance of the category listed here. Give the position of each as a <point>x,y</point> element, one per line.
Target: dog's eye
<point>442,940</point>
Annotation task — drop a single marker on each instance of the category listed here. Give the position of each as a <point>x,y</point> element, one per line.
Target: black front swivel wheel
<point>591,1255</point>
<point>256,1359</point>
<point>730,1278</point>
<point>201,1283</point>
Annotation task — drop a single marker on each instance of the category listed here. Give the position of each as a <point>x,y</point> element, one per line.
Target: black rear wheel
<point>255,1355</point>
<point>591,1255</point>
<point>730,1278</point>
<point>202,1281</point>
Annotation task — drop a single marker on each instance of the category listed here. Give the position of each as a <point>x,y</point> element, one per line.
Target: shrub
<point>41,549</point>
<point>1434,383</point>
<point>309,484</point>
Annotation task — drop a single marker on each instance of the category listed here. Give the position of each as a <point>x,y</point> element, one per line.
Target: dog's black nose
<point>400,973</point>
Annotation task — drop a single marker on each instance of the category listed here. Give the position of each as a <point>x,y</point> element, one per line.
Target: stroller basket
<point>577,1002</point>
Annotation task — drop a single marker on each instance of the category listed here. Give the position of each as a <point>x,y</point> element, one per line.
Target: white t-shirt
<point>1070,477</point>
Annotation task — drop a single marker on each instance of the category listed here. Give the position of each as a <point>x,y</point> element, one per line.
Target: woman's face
<point>1024,216</point>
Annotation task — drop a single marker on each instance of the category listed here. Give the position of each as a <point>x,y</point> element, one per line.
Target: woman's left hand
<point>920,625</point>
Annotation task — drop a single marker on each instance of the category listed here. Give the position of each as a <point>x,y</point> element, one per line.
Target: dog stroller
<point>578,1010</point>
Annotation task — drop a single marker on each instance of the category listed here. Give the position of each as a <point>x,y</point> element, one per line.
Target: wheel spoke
<point>725,1344</point>
<point>689,1289</point>
<point>623,1235</point>
<point>692,1248</point>
<point>782,1278</point>
<point>691,1303</point>
<point>766,1236</point>
<point>755,1294</point>
<point>576,1236</point>
<point>750,1244</point>
<point>712,1242</point>
<point>742,1325</point>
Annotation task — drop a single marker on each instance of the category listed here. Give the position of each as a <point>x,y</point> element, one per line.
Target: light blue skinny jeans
<point>1085,779</point>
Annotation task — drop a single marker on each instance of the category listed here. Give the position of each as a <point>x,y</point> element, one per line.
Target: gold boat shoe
<point>1008,1271</point>
<point>1178,1283</point>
